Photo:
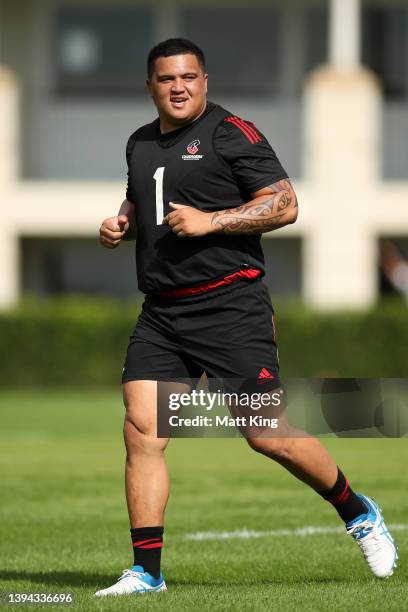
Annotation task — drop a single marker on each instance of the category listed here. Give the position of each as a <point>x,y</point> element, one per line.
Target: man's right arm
<point>122,227</point>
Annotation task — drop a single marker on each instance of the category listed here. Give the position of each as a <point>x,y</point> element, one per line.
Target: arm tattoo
<point>257,217</point>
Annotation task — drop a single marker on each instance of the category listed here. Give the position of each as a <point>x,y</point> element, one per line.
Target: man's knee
<point>278,449</point>
<point>138,440</point>
<point>140,427</point>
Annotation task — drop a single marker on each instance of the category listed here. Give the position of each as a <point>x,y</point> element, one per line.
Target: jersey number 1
<point>158,177</point>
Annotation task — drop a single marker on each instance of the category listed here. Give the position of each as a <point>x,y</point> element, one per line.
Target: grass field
<point>64,526</point>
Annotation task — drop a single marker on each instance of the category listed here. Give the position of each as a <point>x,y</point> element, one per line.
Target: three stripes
<point>249,131</point>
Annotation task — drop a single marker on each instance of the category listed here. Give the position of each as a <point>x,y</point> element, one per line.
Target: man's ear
<point>149,87</point>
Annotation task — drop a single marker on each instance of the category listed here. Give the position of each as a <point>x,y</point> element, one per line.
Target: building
<point>71,92</point>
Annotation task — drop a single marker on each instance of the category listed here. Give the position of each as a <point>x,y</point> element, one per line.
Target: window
<point>242,47</point>
<point>53,266</point>
<point>316,35</point>
<point>283,264</point>
<point>102,51</point>
<point>385,47</point>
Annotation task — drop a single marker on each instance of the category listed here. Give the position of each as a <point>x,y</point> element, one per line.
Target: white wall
<point>344,205</point>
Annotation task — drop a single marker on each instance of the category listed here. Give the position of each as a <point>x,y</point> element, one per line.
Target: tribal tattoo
<point>264,214</point>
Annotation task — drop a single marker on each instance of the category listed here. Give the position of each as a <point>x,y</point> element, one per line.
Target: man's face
<point>178,87</point>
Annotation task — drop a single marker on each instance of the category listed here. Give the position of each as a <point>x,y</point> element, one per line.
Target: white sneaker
<point>134,580</point>
<point>374,539</point>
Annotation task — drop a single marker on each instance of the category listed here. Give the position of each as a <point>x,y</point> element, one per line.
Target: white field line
<point>247,534</point>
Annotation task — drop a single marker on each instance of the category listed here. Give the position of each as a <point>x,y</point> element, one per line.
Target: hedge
<point>82,341</point>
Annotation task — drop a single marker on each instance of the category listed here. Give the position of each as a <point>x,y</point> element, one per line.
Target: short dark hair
<point>173,46</point>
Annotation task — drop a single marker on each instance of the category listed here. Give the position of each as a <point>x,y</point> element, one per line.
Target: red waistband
<point>248,273</point>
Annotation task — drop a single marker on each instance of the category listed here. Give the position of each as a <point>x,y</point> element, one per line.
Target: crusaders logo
<point>192,148</point>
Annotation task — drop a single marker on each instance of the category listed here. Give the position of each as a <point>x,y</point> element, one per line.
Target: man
<point>203,185</point>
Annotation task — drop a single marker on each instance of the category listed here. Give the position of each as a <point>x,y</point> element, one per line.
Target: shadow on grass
<point>82,579</point>
<point>289,581</point>
<point>72,579</point>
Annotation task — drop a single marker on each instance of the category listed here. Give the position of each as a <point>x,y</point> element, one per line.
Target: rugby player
<point>203,186</point>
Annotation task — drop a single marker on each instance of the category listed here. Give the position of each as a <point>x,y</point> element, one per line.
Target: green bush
<point>82,341</point>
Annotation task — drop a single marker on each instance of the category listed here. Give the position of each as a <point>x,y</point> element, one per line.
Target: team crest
<point>192,150</point>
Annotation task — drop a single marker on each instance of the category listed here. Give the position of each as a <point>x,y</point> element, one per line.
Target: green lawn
<point>64,526</point>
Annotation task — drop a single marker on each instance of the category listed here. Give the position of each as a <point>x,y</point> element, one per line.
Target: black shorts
<point>228,333</point>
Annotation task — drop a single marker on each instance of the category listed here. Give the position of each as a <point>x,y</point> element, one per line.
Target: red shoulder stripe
<point>249,132</point>
<point>245,129</point>
<point>234,122</point>
<point>250,126</point>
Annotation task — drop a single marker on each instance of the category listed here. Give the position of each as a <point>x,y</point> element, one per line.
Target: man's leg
<point>147,489</point>
<point>301,454</point>
<point>153,354</point>
<point>147,485</point>
<point>307,459</point>
<point>246,319</point>
<point>146,475</point>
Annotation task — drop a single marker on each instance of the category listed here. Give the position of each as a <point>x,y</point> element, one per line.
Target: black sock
<point>147,546</point>
<point>342,497</point>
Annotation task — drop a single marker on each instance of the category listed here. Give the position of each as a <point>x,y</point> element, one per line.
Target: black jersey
<point>214,163</point>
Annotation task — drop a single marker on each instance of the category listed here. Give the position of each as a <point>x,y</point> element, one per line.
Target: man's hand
<point>188,222</point>
<point>113,230</point>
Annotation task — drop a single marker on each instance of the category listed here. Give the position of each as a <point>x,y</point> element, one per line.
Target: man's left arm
<point>271,208</point>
